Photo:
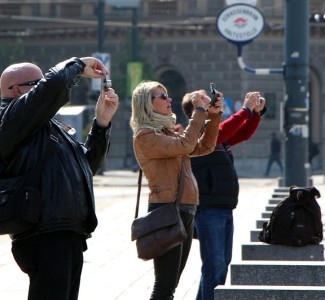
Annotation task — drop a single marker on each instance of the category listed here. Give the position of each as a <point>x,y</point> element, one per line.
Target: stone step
<point>254,235</point>
<point>284,190</point>
<point>269,208</point>
<point>266,215</point>
<point>259,223</point>
<point>294,273</point>
<point>249,292</point>
<point>262,251</point>
<point>274,201</point>
<point>280,195</point>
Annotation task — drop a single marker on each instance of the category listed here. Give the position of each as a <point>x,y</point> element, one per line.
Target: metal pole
<point>296,102</point>
<point>134,34</point>
<point>101,26</point>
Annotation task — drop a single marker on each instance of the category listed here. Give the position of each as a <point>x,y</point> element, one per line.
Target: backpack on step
<point>296,220</point>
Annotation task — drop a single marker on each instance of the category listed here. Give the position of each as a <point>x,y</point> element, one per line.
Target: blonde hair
<point>143,114</point>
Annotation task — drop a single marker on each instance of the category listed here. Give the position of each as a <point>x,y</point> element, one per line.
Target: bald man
<point>51,252</point>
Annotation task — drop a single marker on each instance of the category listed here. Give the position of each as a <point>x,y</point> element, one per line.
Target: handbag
<point>160,229</point>
<point>20,197</point>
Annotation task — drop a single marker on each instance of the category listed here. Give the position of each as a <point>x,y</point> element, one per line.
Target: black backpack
<point>296,220</point>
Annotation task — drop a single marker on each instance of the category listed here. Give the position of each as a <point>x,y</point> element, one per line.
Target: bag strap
<point>138,195</point>
<point>179,192</point>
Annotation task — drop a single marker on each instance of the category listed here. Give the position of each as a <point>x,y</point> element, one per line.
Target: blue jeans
<point>214,228</point>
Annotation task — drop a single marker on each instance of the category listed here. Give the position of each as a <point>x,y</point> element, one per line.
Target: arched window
<point>176,86</point>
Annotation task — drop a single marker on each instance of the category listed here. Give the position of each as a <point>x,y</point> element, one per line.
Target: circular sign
<point>240,23</point>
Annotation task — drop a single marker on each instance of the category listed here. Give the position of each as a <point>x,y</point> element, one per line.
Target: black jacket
<point>66,181</point>
<point>217,178</point>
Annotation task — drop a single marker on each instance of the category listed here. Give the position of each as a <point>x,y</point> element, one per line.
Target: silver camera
<point>106,84</point>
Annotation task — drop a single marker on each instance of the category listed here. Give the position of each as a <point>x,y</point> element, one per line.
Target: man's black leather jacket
<point>66,181</point>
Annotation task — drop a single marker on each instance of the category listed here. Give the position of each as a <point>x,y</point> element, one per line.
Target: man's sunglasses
<point>162,96</point>
<point>27,83</point>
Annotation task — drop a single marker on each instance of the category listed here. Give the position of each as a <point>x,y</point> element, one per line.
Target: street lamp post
<point>101,25</point>
<point>134,34</point>
<point>296,104</point>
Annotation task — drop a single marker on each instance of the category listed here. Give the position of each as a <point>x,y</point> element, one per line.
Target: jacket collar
<point>5,101</point>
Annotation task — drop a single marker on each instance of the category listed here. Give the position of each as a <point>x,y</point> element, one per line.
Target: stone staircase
<point>275,272</point>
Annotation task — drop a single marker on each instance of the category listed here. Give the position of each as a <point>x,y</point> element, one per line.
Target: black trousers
<point>169,267</point>
<point>53,262</point>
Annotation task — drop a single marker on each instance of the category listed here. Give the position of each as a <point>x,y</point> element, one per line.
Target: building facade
<point>180,42</point>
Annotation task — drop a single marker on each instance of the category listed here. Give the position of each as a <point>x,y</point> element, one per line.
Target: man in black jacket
<point>51,253</point>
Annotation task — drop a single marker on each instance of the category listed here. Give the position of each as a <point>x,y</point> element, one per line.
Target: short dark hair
<point>187,105</point>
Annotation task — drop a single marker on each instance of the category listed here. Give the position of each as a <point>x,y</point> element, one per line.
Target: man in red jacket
<point>218,190</point>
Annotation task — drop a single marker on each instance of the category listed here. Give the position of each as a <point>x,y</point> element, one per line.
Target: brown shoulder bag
<point>159,230</point>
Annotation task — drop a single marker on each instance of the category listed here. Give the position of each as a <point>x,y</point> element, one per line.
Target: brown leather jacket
<point>160,154</point>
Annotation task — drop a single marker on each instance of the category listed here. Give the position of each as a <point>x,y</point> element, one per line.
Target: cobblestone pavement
<point>112,270</point>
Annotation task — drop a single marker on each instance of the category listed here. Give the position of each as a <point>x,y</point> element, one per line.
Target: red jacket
<point>238,127</point>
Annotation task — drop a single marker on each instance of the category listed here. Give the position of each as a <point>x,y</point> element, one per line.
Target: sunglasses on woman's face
<point>162,96</point>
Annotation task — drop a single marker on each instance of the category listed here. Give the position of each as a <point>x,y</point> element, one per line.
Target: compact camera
<point>106,84</point>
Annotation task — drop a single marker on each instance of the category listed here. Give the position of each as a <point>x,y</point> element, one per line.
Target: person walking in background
<point>161,152</point>
<point>275,151</point>
<point>51,253</point>
<point>219,188</point>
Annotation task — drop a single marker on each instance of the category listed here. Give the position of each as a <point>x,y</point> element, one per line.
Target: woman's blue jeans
<point>214,228</point>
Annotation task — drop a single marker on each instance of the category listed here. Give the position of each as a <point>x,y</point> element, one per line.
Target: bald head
<point>17,74</point>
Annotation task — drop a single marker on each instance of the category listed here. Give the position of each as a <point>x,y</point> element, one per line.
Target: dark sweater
<point>215,173</point>
<point>217,178</point>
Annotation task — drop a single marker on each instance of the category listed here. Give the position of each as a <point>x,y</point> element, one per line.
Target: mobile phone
<point>214,94</point>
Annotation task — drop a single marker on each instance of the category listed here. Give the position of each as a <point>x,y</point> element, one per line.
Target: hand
<point>94,68</point>
<point>251,100</point>
<point>216,109</point>
<point>198,100</point>
<point>106,107</point>
<point>258,108</point>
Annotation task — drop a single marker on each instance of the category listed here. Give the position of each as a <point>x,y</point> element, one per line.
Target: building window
<point>70,10</point>
<point>10,9</point>
<point>158,8</point>
<point>36,11</point>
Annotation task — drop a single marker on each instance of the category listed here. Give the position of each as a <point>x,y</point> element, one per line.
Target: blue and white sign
<point>240,23</point>
<point>105,58</point>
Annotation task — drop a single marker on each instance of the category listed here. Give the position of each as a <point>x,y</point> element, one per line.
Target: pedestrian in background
<point>161,152</point>
<point>275,154</point>
<point>219,188</point>
<point>52,252</point>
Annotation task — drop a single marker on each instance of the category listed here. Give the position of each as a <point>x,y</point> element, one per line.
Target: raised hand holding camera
<point>107,103</point>
<point>215,94</point>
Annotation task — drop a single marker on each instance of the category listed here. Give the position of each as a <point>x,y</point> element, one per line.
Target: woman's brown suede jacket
<point>160,157</point>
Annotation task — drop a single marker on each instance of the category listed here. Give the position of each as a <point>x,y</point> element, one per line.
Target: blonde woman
<point>160,152</point>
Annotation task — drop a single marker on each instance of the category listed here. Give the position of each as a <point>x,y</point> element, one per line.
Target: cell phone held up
<point>214,95</point>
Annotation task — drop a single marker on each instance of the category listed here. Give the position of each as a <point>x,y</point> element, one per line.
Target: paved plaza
<point>112,270</point>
